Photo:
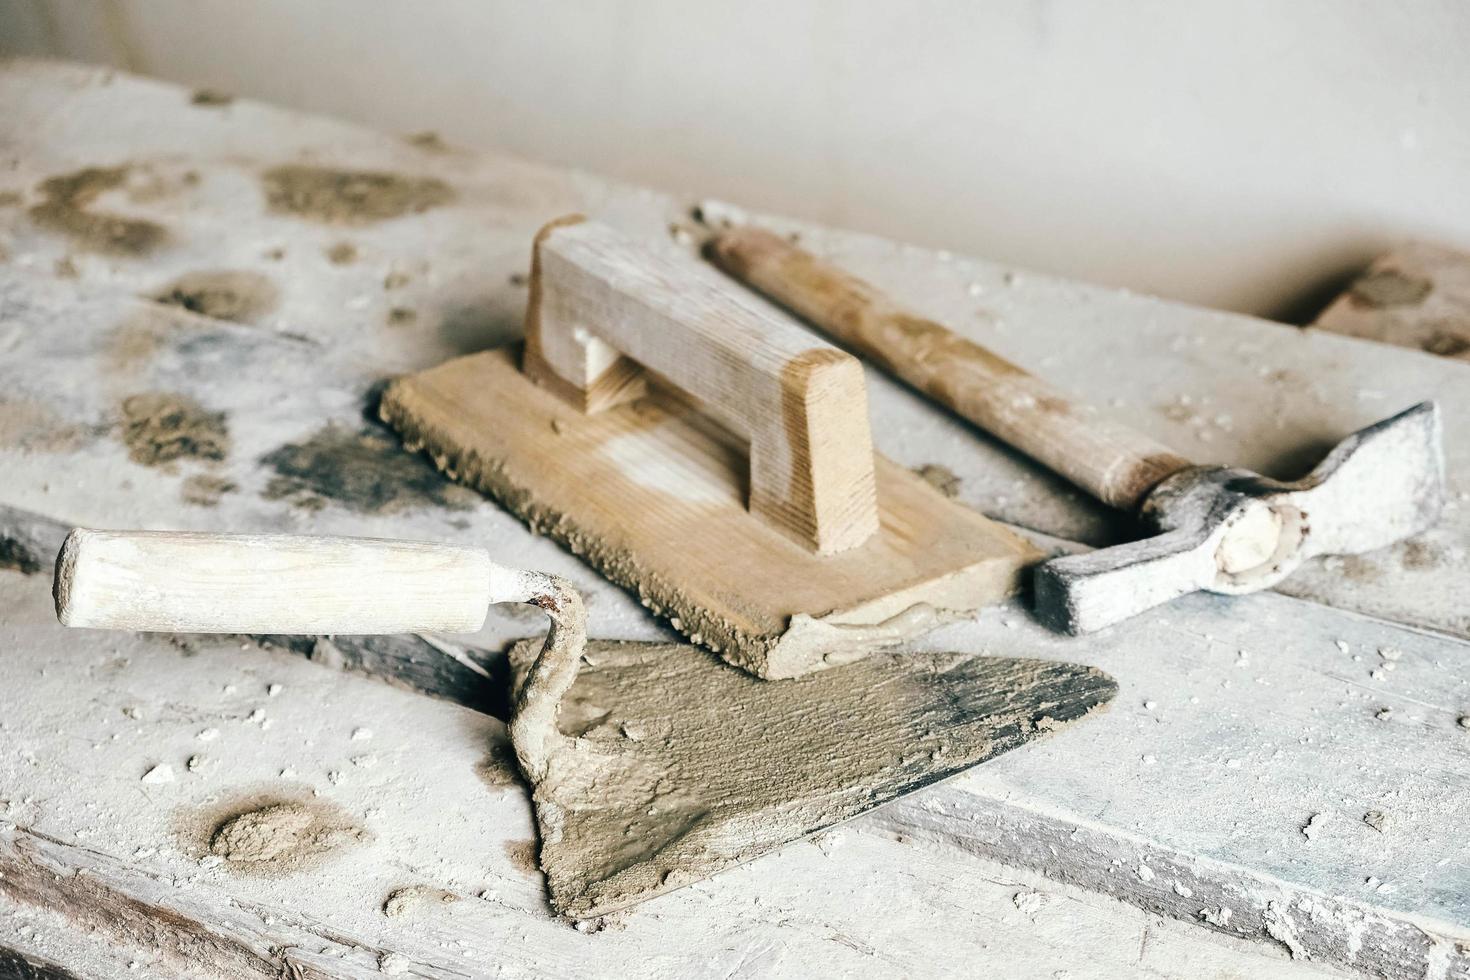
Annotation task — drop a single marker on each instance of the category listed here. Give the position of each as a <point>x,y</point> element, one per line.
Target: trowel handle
<point>172,581</point>
<point>1114,463</point>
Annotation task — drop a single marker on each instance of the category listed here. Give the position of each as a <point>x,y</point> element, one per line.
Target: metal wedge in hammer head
<point>1232,531</point>
<point>1219,529</point>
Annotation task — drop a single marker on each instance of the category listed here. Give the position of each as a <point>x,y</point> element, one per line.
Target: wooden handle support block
<point>1116,464</point>
<point>268,583</point>
<point>607,312</point>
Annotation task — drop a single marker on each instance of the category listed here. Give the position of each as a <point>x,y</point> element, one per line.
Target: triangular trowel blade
<point>681,766</point>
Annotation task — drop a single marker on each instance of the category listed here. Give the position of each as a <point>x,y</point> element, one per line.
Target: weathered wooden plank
<point>1415,296</point>
<point>300,457</point>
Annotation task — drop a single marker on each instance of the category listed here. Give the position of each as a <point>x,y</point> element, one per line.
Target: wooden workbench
<point>198,302</point>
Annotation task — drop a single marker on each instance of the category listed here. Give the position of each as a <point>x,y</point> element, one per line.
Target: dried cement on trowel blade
<point>680,766</point>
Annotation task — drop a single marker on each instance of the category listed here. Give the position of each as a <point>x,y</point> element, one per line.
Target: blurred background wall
<point>1246,154</point>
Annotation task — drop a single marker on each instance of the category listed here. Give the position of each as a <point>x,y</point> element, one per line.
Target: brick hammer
<point>1217,528</point>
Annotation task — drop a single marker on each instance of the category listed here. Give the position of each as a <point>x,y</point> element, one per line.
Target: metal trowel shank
<point>674,766</point>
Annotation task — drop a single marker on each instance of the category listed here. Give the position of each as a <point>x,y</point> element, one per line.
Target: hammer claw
<point>1381,484</point>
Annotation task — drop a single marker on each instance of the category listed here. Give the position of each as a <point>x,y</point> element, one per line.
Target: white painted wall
<point>1239,153</point>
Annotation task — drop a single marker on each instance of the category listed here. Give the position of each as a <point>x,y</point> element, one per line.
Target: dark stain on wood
<point>522,854</point>
<point>1389,287</point>
<point>15,965</point>
<point>236,295</point>
<point>363,470</point>
<point>29,542</point>
<point>16,556</point>
<point>350,197</point>
<point>161,427</point>
<point>203,490</point>
<point>208,98</point>
<point>342,253</point>
<point>408,662</point>
<point>428,140</point>
<point>499,769</point>
<point>1417,554</point>
<point>1448,343</point>
<point>940,477</point>
<point>65,208</point>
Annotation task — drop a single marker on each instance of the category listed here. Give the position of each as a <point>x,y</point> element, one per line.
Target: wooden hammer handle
<point>171,581</point>
<point>1114,463</point>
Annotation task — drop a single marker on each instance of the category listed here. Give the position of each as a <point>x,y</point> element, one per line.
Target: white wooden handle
<point>1116,464</point>
<point>606,310</point>
<point>170,581</point>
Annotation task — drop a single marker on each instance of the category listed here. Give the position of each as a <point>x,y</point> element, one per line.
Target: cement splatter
<point>427,140</point>
<point>941,478</point>
<point>415,899</point>
<point>1418,554</point>
<point>277,835</point>
<point>202,490</point>
<point>342,253</point>
<point>1389,287</point>
<point>1281,927</point>
<point>1356,568</point>
<point>499,770</point>
<point>366,471</point>
<point>1447,343</point>
<point>161,427</point>
<point>209,98</point>
<point>34,427</point>
<point>350,197</point>
<point>64,208</point>
<point>522,854</point>
<point>237,295</point>
<point>134,341</point>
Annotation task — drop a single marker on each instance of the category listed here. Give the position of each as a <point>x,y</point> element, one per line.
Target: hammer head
<point>1232,531</point>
